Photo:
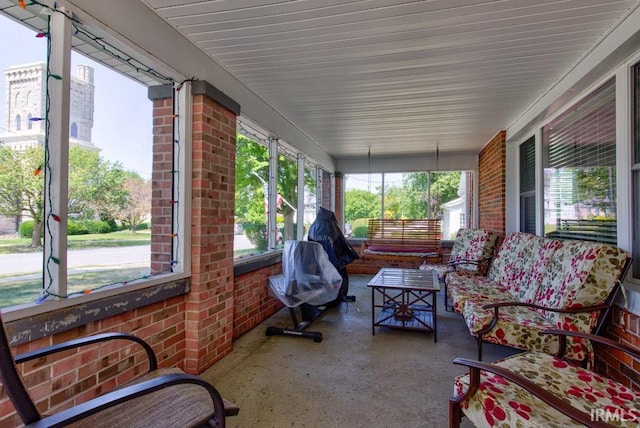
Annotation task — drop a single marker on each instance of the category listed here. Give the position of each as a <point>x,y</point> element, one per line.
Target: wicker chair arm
<point>89,340</point>
<point>534,389</point>
<point>125,394</point>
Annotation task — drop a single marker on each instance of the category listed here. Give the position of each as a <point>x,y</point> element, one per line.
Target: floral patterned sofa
<point>535,389</point>
<point>536,284</point>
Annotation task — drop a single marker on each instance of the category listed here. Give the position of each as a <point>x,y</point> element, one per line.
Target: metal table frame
<point>408,300</point>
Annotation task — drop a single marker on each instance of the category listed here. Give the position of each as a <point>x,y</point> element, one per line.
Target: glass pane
<point>287,199</point>
<point>251,218</point>
<point>580,170</point>
<point>110,166</point>
<point>23,62</point>
<point>310,210</point>
<point>362,201</point>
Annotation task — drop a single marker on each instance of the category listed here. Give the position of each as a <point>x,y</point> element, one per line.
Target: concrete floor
<point>350,379</point>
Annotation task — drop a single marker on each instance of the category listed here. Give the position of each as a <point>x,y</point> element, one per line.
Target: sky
<point>122,112</point>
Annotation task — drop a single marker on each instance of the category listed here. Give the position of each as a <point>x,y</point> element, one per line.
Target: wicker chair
<point>160,398</point>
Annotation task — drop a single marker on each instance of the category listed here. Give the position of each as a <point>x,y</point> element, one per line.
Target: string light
<point>22,4</point>
<point>140,68</point>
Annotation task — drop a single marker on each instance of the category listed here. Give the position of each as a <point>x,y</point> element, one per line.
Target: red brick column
<point>210,304</point>
<point>161,177</point>
<point>492,174</point>
<point>339,202</point>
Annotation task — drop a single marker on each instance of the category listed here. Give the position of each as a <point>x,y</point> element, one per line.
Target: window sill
<point>25,323</point>
<point>252,263</point>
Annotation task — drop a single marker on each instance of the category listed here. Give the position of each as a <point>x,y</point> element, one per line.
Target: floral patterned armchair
<point>537,389</point>
<point>472,252</point>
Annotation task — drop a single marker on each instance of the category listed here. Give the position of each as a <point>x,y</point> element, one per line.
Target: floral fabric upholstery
<point>470,244</point>
<point>546,272</point>
<point>503,264</point>
<point>499,403</point>
<point>520,327</point>
<point>462,286</point>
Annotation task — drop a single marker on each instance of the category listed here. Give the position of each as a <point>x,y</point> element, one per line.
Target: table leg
<point>373,311</point>
<point>435,318</point>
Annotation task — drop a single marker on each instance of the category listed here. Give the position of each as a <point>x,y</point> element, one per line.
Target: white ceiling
<point>396,77</point>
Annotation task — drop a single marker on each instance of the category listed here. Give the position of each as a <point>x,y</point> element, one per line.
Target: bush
<point>97,226</point>
<point>360,228</point>
<point>26,229</point>
<point>76,227</point>
<point>257,234</point>
<point>142,226</point>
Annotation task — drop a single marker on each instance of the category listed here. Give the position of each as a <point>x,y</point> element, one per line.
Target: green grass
<point>19,291</point>
<point>114,239</point>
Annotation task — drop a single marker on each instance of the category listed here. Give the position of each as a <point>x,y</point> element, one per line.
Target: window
<point>636,170</point>
<point>310,197</point>
<point>579,158</point>
<point>109,178</point>
<point>252,190</point>
<point>18,123</point>
<point>29,124</point>
<point>287,199</point>
<point>445,195</point>
<point>528,186</point>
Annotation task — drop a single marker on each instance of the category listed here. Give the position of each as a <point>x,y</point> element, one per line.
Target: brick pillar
<point>339,183</point>
<point>209,318</point>
<point>492,173</point>
<point>162,97</point>
<point>325,197</point>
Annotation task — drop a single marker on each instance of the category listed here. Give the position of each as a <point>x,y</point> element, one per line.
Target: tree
<point>138,206</point>
<point>252,174</point>
<point>95,185</point>
<point>21,186</point>
<point>361,204</point>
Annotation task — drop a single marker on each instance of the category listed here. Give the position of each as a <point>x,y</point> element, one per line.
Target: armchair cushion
<point>499,402</point>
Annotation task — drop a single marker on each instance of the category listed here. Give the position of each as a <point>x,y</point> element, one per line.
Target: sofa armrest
<point>474,383</point>
<point>581,309</point>
<point>496,310</point>
<point>562,338</point>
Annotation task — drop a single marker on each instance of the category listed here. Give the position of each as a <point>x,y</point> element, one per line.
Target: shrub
<point>76,227</point>
<point>257,234</point>
<point>26,229</point>
<point>97,226</point>
<point>360,228</point>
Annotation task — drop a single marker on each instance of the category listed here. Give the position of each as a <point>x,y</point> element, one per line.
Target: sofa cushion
<point>530,266</point>
<point>499,402</point>
<point>502,266</point>
<point>462,286</point>
<point>580,274</point>
<point>473,244</point>
<point>519,327</point>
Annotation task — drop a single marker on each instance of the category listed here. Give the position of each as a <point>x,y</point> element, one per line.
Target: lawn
<point>19,291</point>
<point>114,239</point>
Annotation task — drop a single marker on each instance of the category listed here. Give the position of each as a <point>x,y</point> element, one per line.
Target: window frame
<point>60,94</point>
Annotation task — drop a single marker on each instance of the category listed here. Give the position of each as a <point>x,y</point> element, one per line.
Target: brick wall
<point>625,328</point>
<point>210,303</point>
<point>253,301</point>
<point>60,381</point>
<point>162,183</point>
<point>491,184</point>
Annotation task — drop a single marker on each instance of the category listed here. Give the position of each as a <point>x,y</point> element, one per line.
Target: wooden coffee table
<point>407,300</point>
